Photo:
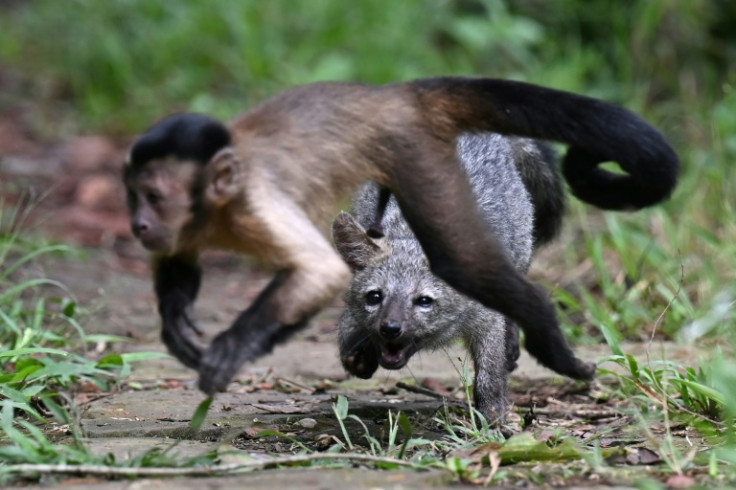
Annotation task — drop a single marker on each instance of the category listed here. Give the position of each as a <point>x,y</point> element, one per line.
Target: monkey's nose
<point>390,330</point>
<point>139,228</point>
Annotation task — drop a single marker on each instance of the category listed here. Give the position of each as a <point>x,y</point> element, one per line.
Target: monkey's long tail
<point>595,131</point>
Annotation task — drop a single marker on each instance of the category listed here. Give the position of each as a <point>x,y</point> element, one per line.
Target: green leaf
<point>144,356</point>
<point>524,447</point>
<point>417,441</point>
<point>69,308</point>
<point>110,360</point>
<point>703,390</point>
<point>405,425</point>
<point>64,370</point>
<point>101,337</point>
<point>30,256</point>
<point>341,407</point>
<point>612,338</point>
<point>34,350</point>
<point>200,414</point>
<point>633,366</point>
<point>56,410</point>
<point>19,400</point>
<point>16,290</point>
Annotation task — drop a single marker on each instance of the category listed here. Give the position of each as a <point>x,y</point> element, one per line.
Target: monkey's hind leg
<point>436,200</point>
<point>312,274</point>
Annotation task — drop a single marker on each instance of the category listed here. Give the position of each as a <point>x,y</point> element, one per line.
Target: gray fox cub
<point>395,306</point>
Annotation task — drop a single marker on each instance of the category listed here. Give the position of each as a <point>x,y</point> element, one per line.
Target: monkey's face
<point>160,202</point>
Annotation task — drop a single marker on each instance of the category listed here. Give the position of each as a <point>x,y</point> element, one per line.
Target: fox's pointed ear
<point>222,171</point>
<point>357,249</point>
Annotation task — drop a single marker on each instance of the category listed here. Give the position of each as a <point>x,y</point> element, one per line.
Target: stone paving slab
<point>167,412</point>
<point>302,478</point>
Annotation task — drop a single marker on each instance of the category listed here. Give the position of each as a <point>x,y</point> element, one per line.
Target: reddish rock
<point>99,192</point>
<point>14,140</point>
<point>90,153</point>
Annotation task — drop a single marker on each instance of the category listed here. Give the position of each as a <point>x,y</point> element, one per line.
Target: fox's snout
<point>390,330</point>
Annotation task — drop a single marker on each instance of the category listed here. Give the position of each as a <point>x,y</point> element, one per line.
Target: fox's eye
<point>373,298</point>
<point>423,301</point>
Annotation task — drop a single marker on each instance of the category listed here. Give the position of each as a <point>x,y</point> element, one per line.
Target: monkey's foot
<point>574,368</point>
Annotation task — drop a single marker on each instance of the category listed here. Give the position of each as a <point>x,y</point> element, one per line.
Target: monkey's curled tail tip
<point>650,167</point>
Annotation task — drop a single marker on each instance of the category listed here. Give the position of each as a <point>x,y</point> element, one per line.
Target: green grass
<point>43,351</point>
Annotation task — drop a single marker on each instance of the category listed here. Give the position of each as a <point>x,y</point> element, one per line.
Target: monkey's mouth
<point>154,244</point>
<point>396,355</point>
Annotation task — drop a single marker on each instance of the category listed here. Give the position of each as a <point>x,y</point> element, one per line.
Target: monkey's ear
<point>353,243</point>
<point>222,170</point>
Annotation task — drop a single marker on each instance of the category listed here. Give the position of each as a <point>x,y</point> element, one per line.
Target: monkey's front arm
<point>310,275</point>
<point>176,281</point>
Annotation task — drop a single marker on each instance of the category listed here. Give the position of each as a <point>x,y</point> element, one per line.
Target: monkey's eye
<point>154,198</point>
<point>373,298</point>
<point>423,301</point>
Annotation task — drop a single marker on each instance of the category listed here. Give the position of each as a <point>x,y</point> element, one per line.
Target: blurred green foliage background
<point>121,64</point>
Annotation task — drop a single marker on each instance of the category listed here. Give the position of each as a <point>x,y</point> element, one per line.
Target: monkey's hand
<point>361,359</point>
<point>176,280</point>
<point>180,335</point>
<point>250,337</point>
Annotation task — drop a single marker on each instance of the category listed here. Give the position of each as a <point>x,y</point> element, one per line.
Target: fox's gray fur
<point>395,306</point>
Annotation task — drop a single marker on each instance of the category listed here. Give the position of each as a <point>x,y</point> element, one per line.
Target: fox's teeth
<point>392,357</point>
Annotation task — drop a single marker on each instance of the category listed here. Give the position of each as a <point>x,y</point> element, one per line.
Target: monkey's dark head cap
<point>186,136</point>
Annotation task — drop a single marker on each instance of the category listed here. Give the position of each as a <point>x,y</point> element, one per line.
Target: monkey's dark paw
<point>180,337</point>
<point>362,361</point>
<point>225,356</point>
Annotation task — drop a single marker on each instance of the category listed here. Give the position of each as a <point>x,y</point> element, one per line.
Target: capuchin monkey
<point>266,185</point>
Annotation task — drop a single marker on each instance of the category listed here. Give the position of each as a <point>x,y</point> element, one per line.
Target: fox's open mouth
<point>395,356</point>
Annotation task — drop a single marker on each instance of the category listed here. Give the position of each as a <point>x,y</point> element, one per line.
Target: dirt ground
<point>291,390</point>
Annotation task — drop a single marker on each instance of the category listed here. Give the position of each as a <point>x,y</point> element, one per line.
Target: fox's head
<point>395,306</point>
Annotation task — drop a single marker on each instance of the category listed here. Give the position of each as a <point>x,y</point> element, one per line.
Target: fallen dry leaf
<point>641,455</point>
<point>284,408</point>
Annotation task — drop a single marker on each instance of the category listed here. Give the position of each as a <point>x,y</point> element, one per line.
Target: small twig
<point>421,390</point>
<point>581,413</point>
<point>91,400</point>
<point>101,470</point>
<point>666,396</point>
<point>431,393</point>
<point>295,384</point>
<point>660,318</point>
